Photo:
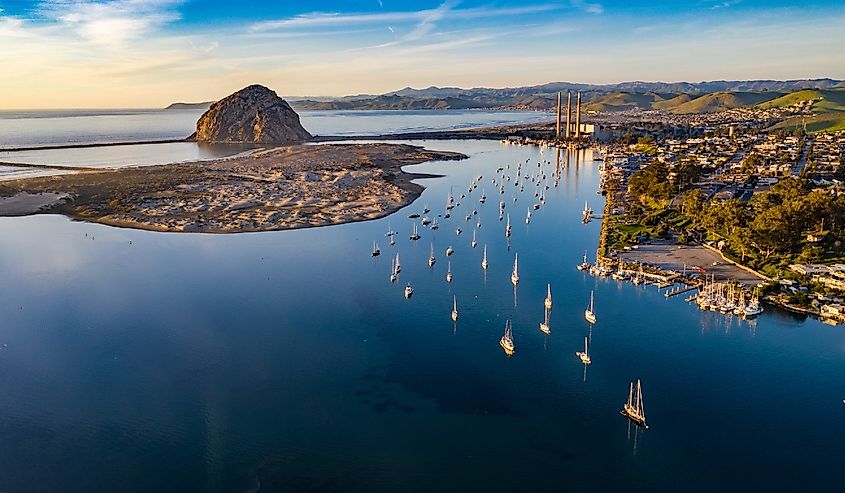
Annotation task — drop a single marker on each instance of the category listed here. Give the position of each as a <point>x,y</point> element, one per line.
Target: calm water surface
<point>187,362</point>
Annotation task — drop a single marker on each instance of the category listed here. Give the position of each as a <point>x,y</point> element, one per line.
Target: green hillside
<point>668,104</point>
<point>825,122</point>
<point>622,101</point>
<point>721,101</point>
<point>828,100</point>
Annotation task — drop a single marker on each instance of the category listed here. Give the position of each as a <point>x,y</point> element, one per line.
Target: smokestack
<point>557,128</point>
<point>578,117</point>
<point>568,113</point>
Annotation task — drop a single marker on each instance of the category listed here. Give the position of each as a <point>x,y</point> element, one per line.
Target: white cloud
<point>112,22</point>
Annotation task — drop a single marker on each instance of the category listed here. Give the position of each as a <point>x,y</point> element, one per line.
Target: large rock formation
<point>254,115</point>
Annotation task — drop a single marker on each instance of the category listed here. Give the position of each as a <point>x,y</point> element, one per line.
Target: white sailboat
<point>449,272</point>
<point>376,251</point>
<point>633,409</point>
<point>398,267</point>
<point>449,251</point>
<point>528,217</point>
<point>409,291</point>
<point>589,314</point>
<point>415,235</point>
<point>484,259</point>
<point>392,270</point>
<point>544,325</point>
<point>548,301</point>
<point>515,273</point>
<point>507,339</point>
<point>585,356</point>
<point>431,258</point>
<point>584,265</point>
<point>474,243</point>
<point>508,226</point>
<point>454,309</point>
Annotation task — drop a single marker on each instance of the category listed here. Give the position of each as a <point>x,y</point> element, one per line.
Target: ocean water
<point>141,361</point>
<point>71,127</point>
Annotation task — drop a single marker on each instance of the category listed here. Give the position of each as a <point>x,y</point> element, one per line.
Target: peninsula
<point>282,184</point>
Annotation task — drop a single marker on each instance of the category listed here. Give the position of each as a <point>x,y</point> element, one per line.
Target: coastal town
<point>727,203</point>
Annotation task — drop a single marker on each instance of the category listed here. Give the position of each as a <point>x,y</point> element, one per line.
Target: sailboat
<point>633,409</point>
<point>544,325</point>
<point>508,226</point>
<point>528,217</point>
<point>587,213</point>
<point>449,251</point>
<point>585,356</point>
<point>548,301</point>
<point>431,258</point>
<point>483,197</point>
<point>584,265</point>
<point>434,224</point>
<point>376,251</point>
<point>392,270</point>
<point>589,314</point>
<point>515,273</point>
<point>392,240</point>
<point>409,291</point>
<point>415,235</point>
<point>474,243</point>
<point>398,267</point>
<point>507,339</point>
<point>454,309</point>
<point>484,259</point>
<point>449,272</point>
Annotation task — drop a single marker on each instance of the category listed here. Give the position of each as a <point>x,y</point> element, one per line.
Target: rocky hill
<point>254,115</point>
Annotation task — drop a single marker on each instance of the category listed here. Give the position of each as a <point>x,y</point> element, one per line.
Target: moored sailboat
<point>454,309</point>
<point>585,356</point>
<point>431,259</point>
<point>548,301</point>
<point>633,409</point>
<point>589,314</point>
<point>484,259</point>
<point>515,273</point>
<point>507,339</point>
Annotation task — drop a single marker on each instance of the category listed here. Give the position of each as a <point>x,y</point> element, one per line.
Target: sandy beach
<point>279,188</point>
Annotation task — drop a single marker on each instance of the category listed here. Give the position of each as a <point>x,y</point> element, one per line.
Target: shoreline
<point>282,188</point>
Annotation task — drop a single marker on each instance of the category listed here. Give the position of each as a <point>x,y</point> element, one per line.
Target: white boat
<point>454,309</point>
<point>587,213</point>
<point>548,301</point>
<point>507,339</point>
<point>431,258</point>
<point>458,232</point>
<point>544,325</point>
<point>376,251</point>
<point>449,272</point>
<point>585,356</point>
<point>409,291</point>
<point>393,275</point>
<point>474,243</point>
<point>415,235</point>
<point>528,217</point>
<point>753,308</point>
<point>426,221</point>
<point>633,409</point>
<point>398,267</point>
<point>515,273</point>
<point>483,197</point>
<point>392,240</point>
<point>508,226</point>
<point>434,224</point>
<point>484,258</point>
<point>478,224</point>
<point>584,265</point>
<point>589,314</point>
<point>449,251</point>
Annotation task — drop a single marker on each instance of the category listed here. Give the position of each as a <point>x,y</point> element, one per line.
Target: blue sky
<point>147,53</point>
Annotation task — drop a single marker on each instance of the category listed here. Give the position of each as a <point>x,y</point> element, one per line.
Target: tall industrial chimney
<point>557,128</point>
<point>568,113</point>
<point>578,117</point>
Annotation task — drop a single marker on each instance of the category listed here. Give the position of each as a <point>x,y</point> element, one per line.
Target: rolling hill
<point>721,101</point>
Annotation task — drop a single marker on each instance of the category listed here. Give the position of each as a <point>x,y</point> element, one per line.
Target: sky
<point>149,53</point>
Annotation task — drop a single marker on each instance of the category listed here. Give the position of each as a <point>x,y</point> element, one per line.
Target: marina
<point>229,352</point>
